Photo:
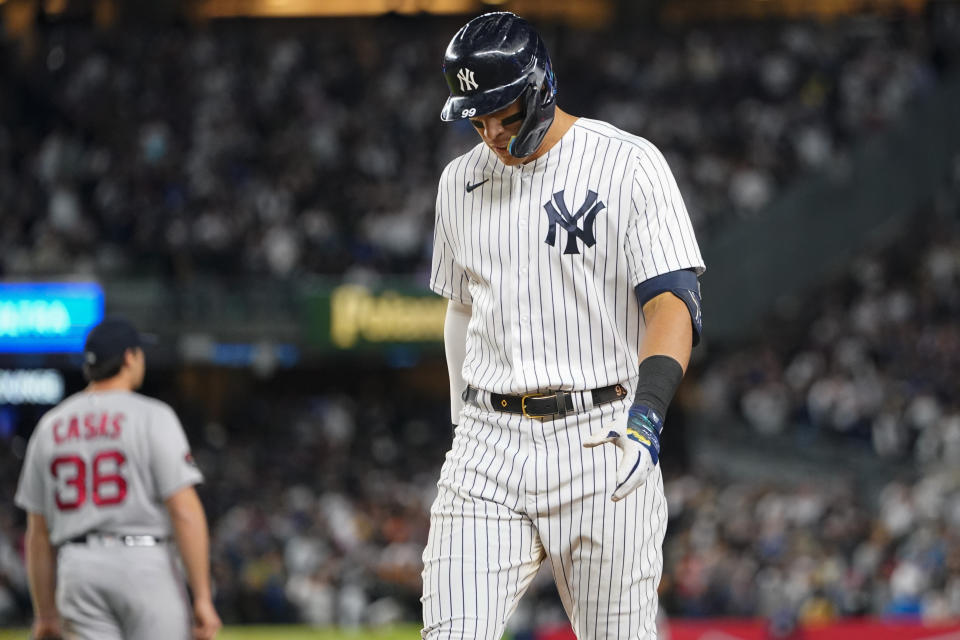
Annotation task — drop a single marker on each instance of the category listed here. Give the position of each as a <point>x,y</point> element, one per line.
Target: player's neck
<point>562,122</point>
<point>116,383</point>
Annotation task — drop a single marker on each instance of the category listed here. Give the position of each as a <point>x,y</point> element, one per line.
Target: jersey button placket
<point>521,311</point>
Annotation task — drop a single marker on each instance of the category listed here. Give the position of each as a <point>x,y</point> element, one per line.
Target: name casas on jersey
<point>88,426</point>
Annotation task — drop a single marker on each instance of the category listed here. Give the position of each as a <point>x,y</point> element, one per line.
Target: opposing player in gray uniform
<point>108,486</point>
<point>572,270</point>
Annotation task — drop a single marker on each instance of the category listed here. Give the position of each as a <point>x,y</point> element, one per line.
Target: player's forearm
<point>193,539</point>
<point>41,569</point>
<point>668,332</point>
<point>455,345</point>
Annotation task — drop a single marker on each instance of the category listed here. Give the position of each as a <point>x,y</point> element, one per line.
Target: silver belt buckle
<point>104,539</point>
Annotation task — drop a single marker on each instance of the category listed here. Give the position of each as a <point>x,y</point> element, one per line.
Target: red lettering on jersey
<point>73,429</point>
<point>95,425</point>
<point>117,425</point>
<point>105,426</point>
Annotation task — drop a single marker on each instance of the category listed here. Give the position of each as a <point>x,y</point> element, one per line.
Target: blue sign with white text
<point>48,317</point>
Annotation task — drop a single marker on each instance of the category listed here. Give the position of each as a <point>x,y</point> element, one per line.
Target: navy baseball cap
<point>110,339</point>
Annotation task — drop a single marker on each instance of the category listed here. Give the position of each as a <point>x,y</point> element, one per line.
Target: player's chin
<point>505,156</point>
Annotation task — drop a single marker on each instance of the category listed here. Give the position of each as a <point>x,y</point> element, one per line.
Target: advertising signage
<point>47,317</point>
<point>349,317</point>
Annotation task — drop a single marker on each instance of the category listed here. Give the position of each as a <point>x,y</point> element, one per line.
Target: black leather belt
<point>117,539</point>
<point>545,405</point>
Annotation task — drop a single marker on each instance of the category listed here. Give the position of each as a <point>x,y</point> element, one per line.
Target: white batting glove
<point>637,435</point>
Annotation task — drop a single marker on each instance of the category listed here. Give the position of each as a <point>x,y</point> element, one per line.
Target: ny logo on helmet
<point>465,76</point>
<point>559,215</point>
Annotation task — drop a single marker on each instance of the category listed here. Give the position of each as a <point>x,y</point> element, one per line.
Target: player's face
<point>497,128</point>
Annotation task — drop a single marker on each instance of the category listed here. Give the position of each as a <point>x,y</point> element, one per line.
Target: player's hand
<point>637,435</point>
<point>206,622</point>
<point>46,629</point>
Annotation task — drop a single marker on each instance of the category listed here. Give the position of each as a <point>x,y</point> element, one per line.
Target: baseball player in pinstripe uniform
<point>571,267</point>
<point>107,484</point>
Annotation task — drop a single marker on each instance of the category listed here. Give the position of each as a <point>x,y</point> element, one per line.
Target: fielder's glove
<point>637,435</point>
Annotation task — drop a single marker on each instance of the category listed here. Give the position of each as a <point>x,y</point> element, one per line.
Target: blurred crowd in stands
<point>328,522</point>
<point>813,553</point>
<point>318,505</point>
<point>315,148</point>
<point>874,356</point>
<point>325,520</point>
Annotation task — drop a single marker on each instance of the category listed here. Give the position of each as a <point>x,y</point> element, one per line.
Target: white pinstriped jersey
<point>548,253</point>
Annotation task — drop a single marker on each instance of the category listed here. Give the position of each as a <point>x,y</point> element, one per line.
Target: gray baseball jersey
<point>548,254</point>
<point>106,461</point>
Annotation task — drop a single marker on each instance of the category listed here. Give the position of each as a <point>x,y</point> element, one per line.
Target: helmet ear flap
<point>539,104</point>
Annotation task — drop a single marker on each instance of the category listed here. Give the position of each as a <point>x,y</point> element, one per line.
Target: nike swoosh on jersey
<point>471,187</point>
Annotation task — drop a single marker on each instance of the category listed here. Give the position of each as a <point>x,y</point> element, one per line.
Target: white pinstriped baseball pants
<point>514,492</point>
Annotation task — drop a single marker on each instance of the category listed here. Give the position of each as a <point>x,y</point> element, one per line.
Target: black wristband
<point>659,378</point>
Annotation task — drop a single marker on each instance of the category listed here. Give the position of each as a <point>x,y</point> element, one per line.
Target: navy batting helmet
<point>491,62</point>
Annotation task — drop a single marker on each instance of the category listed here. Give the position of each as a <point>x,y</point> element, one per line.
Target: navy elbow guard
<point>684,285</point>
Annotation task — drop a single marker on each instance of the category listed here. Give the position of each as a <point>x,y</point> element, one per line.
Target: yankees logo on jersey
<point>551,236</point>
<point>569,222</point>
<point>547,254</point>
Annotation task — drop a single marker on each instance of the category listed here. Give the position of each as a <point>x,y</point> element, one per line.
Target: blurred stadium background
<point>253,181</point>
